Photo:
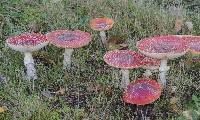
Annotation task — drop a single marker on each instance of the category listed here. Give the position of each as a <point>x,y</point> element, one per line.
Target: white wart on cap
<point>27,42</point>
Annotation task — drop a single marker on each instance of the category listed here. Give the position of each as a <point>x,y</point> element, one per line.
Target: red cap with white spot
<point>101,24</point>
<point>142,92</point>
<point>69,39</point>
<point>163,47</point>
<point>27,42</point>
<point>194,43</point>
<point>125,59</point>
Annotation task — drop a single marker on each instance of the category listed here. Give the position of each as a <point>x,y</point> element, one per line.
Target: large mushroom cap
<point>142,92</point>
<point>101,24</point>
<point>194,43</point>
<point>126,59</point>
<point>163,47</point>
<point>69,39</point>
<point>27,42</point>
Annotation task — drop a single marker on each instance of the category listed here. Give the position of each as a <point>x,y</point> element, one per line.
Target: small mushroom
<point>69,40</point>
<point>163,48</point>
<point>102,24</point>
<point>124,59</point>
<point>142,92</point>
<point>27,43</point>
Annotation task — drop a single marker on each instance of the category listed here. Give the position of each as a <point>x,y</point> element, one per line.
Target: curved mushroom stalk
<point>163,70</point>
<point>67,58</point>
<point>103,38</point>
<point>29,63</point>
<point>125,78</point>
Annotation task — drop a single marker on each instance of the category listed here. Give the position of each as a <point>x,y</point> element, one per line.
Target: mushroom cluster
<point>163,48</point>
<point>154,52</point>
<point>153,56</point>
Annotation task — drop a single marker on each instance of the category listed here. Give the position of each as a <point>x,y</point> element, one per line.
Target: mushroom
<point>27,43</point>
<point>163,48</point>
<point>69,40</point>
<point>124,59</point>
<point>142,92</point>
<point>194,43</point>
<point>150,64</point>
<point>102,24</point>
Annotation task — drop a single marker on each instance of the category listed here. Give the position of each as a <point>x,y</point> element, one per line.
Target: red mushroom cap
<point>101,24</point>
<point>69,39</point>
<point>194,43</point>
<point>142,92</point>
<point>163,47</point>
<point>126,59</point>
<point>27,42</point>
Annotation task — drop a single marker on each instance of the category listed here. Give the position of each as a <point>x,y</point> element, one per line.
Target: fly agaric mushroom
<point>150,64</point>
<point>27,43</point>
<point>194,44</point>
<point>69,40</point>
<point>164,48</point>
<point>142,92</point>
<point>102,24</point>
<point>124,59</point>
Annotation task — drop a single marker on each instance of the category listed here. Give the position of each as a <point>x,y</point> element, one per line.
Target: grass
<point>89,89</point>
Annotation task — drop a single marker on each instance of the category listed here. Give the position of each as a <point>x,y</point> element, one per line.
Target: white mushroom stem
<point>103,38</point>
<point>67,58</point>
<point>163,70</point>
<point>125,78</point>
<point>147,73</point>
<point>29,63</point>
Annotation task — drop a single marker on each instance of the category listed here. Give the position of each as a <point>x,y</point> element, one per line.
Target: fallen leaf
<point>2,109</point>
<point>117,42</point>
<point>174,100</point>
<point>60,92</point>
<point>176,108</point>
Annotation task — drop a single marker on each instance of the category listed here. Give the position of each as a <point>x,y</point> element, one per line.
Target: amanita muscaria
<point>163,48</point>
<point>194,44</point>
<point>124,59</point>
<point>28,43</point>
<point>69,40</point>
<point>102,24</point>
<point>142,92</point>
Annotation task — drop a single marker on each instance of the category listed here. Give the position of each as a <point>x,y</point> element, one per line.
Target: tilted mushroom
<point>142,92</point>
<point>124,59</point>
<point>102,24</point>
<point>69,40</point>
<point>164,48</point>
<point>27,43</point>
